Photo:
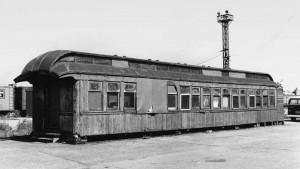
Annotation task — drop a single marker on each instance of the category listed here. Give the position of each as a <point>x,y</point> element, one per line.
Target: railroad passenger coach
<point>93,94</point>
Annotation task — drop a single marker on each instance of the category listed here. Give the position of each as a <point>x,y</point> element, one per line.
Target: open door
<point>51,118</point>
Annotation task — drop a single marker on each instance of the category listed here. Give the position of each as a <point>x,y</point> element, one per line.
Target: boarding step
<point>46,137</point>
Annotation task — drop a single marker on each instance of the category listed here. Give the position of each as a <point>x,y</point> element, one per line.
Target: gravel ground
<point>262,147</point>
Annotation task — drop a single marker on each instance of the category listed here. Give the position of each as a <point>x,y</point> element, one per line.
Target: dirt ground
<point>262,147</point>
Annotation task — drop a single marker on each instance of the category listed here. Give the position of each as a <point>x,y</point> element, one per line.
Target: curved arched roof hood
<point>47,64</point>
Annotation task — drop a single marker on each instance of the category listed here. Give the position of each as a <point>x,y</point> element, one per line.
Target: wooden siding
<point>66,123</point>
<point>101,124</point>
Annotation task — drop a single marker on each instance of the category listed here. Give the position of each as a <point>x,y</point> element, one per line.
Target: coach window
<point>185,96</point>
<point>216,98</point>
<point>251,99</point>
<point>235,99</point>
<point>272,98</point>
<point>206,98</point>
<point>95,96</point>
<point>113,95</point>
<point>258,98</point>
<point>225,98</point>
<point>243,98</point>
<point>172,97</point>
<point>265,100</point>
<point>2,96</point>
<point>195,97</point>
<point>129,95</point>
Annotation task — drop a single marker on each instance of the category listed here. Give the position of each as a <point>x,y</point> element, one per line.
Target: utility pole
<point>225,20</point>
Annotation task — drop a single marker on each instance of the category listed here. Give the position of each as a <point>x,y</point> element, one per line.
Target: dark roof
<point>49,64</point>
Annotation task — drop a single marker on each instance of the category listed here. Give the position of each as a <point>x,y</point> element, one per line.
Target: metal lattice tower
<point>225,20</point>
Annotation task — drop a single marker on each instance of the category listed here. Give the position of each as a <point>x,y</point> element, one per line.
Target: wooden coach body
<point>93,94</point>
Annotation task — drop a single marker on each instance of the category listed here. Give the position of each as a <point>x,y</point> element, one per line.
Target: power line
<point>210,58</point>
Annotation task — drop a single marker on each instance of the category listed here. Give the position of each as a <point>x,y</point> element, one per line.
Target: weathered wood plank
<point>66,123</point>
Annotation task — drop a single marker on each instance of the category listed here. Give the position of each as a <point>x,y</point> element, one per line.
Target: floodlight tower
<point>225,20</point>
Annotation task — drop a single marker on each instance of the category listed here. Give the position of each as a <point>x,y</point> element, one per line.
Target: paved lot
<point>263,147</point>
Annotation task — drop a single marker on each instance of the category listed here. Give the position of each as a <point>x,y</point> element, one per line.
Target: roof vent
<point>157,60</point>
<point>185,64</point>
<point>149,59</point>
<point>115,55</point>
<point>124,56</point>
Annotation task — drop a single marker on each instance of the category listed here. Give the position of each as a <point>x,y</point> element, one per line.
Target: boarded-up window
<point>185,69</point>
<point>235,98</point>
<point>134,65</point>
<point>195,97</point>
<point>66,97</point>
<point>162,67</point>
<point>226,98</point>
<point>216,98</point>
<point>113,95</point>
<point>173,68</point>
<point>148,66</point>
<point>2,94</point>
<point>185,97</point>
<point>272,98</point>
<point>196,70</point>
<point>206,98</point>
<point>172,97</point>
<point>130,95</point>
<point>95,96</point>
<point>84,59</point>
<point>102,61</point>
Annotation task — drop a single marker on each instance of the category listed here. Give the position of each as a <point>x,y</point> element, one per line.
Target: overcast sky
<point>264,37</point>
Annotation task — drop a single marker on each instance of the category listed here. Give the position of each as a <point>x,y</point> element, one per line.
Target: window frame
<point>272,94</point>
<point>233,94</point>
<point>203,94</point>
<point>251,93</point>
<point>216,95</point>
<point>172,94</point>
<point>118,92</point>
<point>258,94</point>
<point>228,95</point>
<point>100,90</point>
<point>185,94</point>
<point>265,94</point>
<point>197,95</point>
<point>246,98</point>
<point>134,95</point>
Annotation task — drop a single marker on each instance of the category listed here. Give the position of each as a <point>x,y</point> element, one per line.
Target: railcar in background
<point>93,94</point>
<point>16,99</point>
<point>6,98</point>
